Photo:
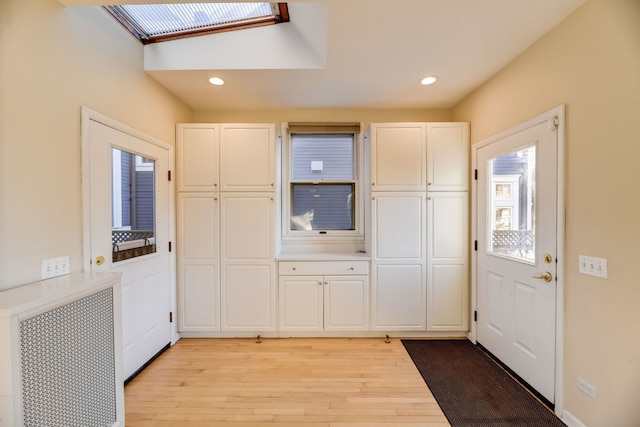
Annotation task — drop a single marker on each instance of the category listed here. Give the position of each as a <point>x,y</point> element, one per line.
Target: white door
<point>516,262</point>
<point>115,205</point>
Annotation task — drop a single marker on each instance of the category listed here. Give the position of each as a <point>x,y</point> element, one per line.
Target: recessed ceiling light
<point>216,81</point>
<point>429,80</point>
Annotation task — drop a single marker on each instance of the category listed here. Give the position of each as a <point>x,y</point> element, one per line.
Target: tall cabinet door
<point>447,156</point>
<point>398,156</point>
<point>447,261</point>
<point>248,291</point>
<point>398,253</point>
<point>197,154</point>
<point>198,265</point>
<point>248,157</point>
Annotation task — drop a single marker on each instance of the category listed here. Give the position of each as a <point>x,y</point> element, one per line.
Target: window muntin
<point>151,23</point>
<point>321,184</point>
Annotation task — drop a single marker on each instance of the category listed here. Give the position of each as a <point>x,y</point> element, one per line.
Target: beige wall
<point>322,115</point>
<point>53,61</point>
<point>591,63</point>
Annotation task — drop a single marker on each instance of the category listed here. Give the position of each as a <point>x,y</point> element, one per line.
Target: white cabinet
<point>226,224</point>
<point>399,259</point>
<point>398,156</point>
<point>447,261</point>
<point>419,269</point>
<point>198,262</point>
<point>319,296</point>
<point>197,157</point>
<point>447,156</point>
<point>248,292</point>
<point>248,157</point>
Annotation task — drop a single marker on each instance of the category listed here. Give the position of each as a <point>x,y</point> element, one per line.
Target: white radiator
<point>60,353</point>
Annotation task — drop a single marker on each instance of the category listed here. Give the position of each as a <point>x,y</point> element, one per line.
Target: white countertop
<point>51,291</point>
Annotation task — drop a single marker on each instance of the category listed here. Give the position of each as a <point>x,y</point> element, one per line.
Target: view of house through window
<point>133,205</point>
<point>513,204</point>
<point>322,181</point>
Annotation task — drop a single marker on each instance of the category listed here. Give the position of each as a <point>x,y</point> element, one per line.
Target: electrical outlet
<point>54,267</point>
<point>586,388</point>
<point>592,266</point>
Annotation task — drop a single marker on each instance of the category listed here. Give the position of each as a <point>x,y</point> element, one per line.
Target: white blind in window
<point>322,157</point>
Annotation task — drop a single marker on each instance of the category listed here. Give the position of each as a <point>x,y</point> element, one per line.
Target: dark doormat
<point>472,389</point>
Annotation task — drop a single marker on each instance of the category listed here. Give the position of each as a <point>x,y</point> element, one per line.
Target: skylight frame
<point>280,14</point>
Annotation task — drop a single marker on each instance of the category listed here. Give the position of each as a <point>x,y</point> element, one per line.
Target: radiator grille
<point>67,364</point>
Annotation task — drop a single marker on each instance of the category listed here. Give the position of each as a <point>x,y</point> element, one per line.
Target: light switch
<point>593,266</point>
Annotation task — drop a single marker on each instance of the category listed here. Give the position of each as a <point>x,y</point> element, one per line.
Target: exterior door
<point>128,231</point>
<point>517,244</point>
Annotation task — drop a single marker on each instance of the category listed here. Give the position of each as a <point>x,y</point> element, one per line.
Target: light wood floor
<point>322,382</point>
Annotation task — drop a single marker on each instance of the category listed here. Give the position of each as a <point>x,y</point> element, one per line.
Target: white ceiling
<point>354,54</point>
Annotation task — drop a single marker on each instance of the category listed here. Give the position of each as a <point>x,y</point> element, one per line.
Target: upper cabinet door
<point>248,157</point>
<point>398,156</point>
<point>448,156</point>
<point>197,157</point>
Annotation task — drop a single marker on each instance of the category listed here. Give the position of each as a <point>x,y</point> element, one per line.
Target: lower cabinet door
<point>323,303</point>
<point>300,303</point>
<point>346,303</point>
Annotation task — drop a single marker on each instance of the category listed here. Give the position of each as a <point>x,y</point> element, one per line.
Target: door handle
<point>100,260</point>
<point>546,276</point>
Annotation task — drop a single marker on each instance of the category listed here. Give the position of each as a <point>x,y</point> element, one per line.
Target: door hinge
<point>475,174</point>
<point>171,317</point>
<point>475,245</point>
<point>169,175</point>
<point>475,315</point>
<point>170,246</point>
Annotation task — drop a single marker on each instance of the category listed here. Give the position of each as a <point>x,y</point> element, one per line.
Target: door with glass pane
<point>516,276</point>
<point>129,233</point>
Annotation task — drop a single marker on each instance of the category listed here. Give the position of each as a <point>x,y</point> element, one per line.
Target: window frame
<point>323,236</point>
<point>281,15</point>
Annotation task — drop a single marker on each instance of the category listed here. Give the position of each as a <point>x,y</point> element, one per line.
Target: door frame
<point>558,112</point>
<point>89,115</point>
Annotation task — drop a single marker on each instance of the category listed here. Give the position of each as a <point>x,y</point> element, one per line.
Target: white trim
<point>89,115</point>
<point>570,420</point>
<point>312,239</point>
<point>559,113</point>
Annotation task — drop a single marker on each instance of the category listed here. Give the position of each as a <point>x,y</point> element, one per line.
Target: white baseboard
<point>570,420</point>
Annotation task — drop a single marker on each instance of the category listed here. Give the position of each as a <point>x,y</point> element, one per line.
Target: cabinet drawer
<point>293,268</point>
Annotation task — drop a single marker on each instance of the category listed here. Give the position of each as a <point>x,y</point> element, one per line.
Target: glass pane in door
<point>512,178</point>
<point>133,205</point>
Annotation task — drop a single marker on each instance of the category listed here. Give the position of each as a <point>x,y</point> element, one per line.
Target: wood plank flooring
<point>319,382</point>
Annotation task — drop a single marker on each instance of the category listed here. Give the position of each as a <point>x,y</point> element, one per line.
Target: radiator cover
<point>68,364</point>
<point>62,365</point>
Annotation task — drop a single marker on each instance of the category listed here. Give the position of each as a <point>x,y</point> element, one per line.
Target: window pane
<point>322,207</point>
<point>513,205</point>
<point>157,19</point>
<point>322,157</point>
<point>133,205</point>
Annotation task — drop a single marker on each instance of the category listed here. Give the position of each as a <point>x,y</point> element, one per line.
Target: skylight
<point>159,22</point>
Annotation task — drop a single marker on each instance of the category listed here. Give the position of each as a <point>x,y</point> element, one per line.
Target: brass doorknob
<point>100,260</point>
<point>546,276</point>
